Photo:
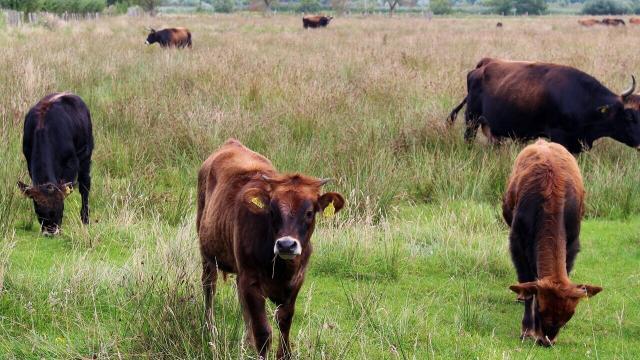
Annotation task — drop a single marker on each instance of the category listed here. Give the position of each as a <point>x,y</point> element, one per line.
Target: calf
<point>257,223</point>
<point>173,37</point>
<point>57,144</point>
<point>634,21</point>
<point>543,205</point>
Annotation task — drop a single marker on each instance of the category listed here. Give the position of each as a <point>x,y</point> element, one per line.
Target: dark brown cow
<point>634,21</point>
<point>589,22</point>
<point>314,21</point>
<point>257,223</point>
<point>613,22</point>
<point>544,205</point>
<point>173,37</point>
<point>525,100</point>
<point>499,25</point>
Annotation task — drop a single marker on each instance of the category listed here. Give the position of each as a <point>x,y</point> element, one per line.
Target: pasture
<point>416,266</point>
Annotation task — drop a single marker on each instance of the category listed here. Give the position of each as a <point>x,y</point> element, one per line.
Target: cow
<point>257,223</point>
<point>174,37</point>
<point>634,21</point>
<point>543,205</point>
<point>499,25</point>
<point>525,100</point>
<point>57,144</point>
<point>589,22</point>
<point>613,22</point>
<point>314,21</point>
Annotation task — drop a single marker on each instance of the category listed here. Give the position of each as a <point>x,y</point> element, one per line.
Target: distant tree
<point>440,7</point>
<point>531,7</point>
<point>340,6</point>
<point>392,5</point>
<point>605,7</point>
<point>503,7</point>
<point>309,6</point>
<point>26,6</point>
<point>223,6</point>
<point>148,5</point>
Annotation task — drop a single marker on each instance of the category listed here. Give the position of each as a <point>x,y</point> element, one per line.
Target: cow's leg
<point>84,183</point>
<point>284,317</point>
<point>254,314</point>
<point>520,236</point>
<point>572,217</point>
<point>472,125</point>
<point>528,330</point>
<point>209,279</point>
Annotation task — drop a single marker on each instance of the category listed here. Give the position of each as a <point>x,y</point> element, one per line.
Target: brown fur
<point>548,172</point>
<point>43,106</point>
<point>180,37</point>
<point>634,21</point>
<point>236,236</point>
<point>589,22</point>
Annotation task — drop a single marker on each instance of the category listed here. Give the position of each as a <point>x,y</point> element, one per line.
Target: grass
<point>417,264</point>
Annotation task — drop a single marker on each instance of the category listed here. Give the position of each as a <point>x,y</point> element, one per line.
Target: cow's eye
<point>309,214</point>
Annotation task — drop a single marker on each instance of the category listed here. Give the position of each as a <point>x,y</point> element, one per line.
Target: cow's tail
<point>454,113</point>
<point>189,39</point>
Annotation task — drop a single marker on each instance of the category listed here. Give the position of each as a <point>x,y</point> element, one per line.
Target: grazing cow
<point>543,205</point>
<point>257,223</point>
<point>174,37</point>
<point>634,21</point>
<point>57,144</point>
<point>613,22</point>
<point>526,100</point>
<point>589,22</point>
<point>499,25</point>
<point>314,21</point>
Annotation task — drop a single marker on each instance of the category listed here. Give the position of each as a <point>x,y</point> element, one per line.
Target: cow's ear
<point>331,203</point>
<point>256,200</point>
<point>26,190</point>
<point>588,290</point>
<point>66,189</point>
<point>525,290</point>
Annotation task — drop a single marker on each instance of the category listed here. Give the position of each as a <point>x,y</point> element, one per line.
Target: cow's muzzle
<point>545,341</point>
<point>287,247</point>
<point>146,42</point>
<point>50,230</point>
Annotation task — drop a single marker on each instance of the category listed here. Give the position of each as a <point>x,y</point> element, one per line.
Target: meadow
<point>415,267</point>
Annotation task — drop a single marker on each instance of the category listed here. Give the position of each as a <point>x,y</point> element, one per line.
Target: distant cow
<point>613,22</point>
<point>589,22</point>
<point>543,205</point>
<point>257,223</point>
<point>526,100</point>
<point>57,144</point>
<point>174,37</point>
<point>499,25</point>
<point>634,21</point>
<point>314,21</point>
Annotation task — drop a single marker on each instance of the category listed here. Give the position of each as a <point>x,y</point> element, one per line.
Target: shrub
<point>605,7</point>
<point>440,7</point>
<point>224,6</point>
<point>309,6</point>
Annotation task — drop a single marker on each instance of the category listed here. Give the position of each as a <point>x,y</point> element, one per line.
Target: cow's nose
<point>287,247</point>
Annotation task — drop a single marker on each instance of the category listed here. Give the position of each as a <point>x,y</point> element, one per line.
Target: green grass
<point>416,265</point>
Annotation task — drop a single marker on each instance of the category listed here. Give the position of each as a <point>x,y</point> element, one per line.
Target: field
<point>417,264</point>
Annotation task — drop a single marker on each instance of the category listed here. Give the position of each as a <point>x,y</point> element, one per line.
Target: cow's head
<point>554,305</point>
<point>290,202</point>
<point>625,117</point>
<point>48,201</point>
<point>327,19</point>
<point>152,37</point>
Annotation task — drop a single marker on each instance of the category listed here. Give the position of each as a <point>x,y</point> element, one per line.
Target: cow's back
<point>220,179</point>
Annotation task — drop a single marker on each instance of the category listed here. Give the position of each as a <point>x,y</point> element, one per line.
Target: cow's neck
<point>42,159</point>
<point>598,130</point>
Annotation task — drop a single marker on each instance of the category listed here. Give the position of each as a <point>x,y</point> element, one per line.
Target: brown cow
<point>173,37</point>
<point>544,205</point>
<point>314,21</point>
<point>257,223</point>
<point>634,21</point>
<point>613,22</point>
<point>589,22</point>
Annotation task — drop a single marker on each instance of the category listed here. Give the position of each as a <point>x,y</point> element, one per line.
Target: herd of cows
<point>257,223</point>
<point>608,22</point>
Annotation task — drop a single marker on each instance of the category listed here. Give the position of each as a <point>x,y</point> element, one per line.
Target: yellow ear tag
<point>257,202</point>
<point>329,211</point>
<point>604,109</point>
<point>67,190</point>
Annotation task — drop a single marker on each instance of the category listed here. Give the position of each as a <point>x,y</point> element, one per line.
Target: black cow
<point>173,37</point>
<point>526,100</point>
<point>57,144</point>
